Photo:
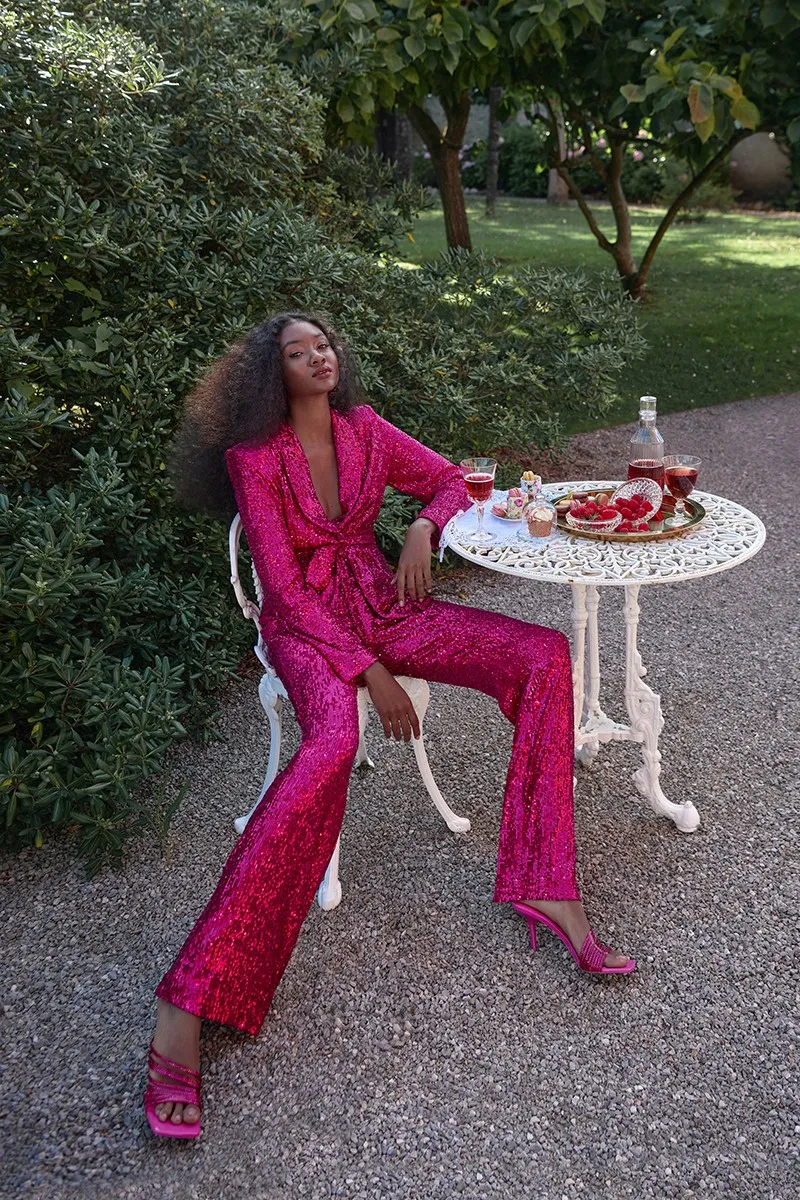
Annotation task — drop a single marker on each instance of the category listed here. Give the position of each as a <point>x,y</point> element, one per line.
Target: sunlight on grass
<point>724,304</point>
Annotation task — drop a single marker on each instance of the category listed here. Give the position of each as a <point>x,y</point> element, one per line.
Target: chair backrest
<point>251,610</point>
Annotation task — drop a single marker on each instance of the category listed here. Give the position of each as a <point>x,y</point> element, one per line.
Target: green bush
<point>160,201</point>
<point>523,167</point>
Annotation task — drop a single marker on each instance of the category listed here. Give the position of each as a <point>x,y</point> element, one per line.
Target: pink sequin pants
<point>234,957</point>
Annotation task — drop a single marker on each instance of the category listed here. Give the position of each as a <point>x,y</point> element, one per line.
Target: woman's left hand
<point>413,574</point>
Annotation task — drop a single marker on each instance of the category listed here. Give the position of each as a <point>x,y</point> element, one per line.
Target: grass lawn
<point>723,318</point>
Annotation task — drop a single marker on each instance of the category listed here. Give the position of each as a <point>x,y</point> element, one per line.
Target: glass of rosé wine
<point>478,476</point>
<point>680,472</point>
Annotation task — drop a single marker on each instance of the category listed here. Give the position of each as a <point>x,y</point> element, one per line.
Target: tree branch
<point>457,117</point>
<point>426,127</point>
<point>574,190</point>
<point>680,200</point>
<point>616,196</point>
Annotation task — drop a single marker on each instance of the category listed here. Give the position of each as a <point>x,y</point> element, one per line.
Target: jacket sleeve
<point>287,597</point>
<point>424,474</point>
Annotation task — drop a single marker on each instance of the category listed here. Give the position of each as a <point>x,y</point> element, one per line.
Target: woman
<point>307,463</point>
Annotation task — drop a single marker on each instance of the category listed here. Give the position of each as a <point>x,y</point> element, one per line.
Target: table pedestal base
<point>592,726</point>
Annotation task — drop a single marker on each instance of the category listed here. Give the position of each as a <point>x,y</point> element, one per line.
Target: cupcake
<point>540,517</point>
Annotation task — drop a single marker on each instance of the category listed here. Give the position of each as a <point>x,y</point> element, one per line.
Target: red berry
<point>607,512</point>
<point>639,497</point>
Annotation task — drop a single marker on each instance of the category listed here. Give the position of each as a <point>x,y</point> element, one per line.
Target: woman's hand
<point>413,574</point>
<point>392,703</point>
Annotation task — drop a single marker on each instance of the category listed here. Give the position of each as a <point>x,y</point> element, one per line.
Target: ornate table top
<point>727,536</point>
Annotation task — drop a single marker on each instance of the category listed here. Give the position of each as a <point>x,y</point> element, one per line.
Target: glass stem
<point>479,507</point>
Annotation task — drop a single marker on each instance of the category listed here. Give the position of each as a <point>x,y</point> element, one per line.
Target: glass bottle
<point>646,458</point>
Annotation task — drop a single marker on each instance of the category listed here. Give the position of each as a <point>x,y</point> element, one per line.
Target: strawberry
<point>624,527</point>
<point>607,512</point>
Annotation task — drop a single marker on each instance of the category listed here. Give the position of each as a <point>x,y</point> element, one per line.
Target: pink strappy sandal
<point>180,1085</point>
<point>593,953</point>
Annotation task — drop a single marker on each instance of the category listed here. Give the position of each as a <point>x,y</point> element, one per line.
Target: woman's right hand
<point>392,703</point>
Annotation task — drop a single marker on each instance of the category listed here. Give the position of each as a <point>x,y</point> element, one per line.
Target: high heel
<point>592,954</point>
<point>180,1085</point>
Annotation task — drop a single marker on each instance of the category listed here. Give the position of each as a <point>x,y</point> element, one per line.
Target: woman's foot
<point>177,1036</point>
<point>570,917</point>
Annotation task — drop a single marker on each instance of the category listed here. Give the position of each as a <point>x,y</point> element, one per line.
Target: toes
<point>615,959</point>
<point>163,1111</point>
<point>177,1114</point>
<point>191,1114</point>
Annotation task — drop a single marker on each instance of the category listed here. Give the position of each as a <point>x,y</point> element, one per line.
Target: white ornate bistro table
<point>727,536</point>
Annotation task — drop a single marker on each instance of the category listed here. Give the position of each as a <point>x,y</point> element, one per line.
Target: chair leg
<point>329,892</point>
<point>420,697</point>
<point>363,716</point>
<point>273,706</point>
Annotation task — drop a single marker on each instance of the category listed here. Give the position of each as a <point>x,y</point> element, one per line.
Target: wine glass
<point>478,476</point>
<point>681,475</point>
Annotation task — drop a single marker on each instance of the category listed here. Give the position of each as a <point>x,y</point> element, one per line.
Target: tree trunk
<point>443,147</point>
<point>403,152</point>
<point>385,140</point>
<point>493,151</point>
<point>557,190</point>
<point>621,249</point>
<point>448,176</point>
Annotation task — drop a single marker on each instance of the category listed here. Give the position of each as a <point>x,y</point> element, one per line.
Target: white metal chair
<point>272,693</point>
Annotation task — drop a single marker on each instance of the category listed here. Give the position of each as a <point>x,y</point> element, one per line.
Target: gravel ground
<point>416,1048</point>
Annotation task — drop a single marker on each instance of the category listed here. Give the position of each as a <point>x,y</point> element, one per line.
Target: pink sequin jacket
<point>326,581</point>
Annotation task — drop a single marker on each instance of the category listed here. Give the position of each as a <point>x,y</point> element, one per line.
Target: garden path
<point>416,1049</point>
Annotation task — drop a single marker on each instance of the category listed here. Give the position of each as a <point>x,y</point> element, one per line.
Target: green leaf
<point>665,98</point>
<point>746,113</point>
<point>663,67</point>
<point>450,58</point>
<point>725,84</point>
<point>596,9</point>
<point>793,130</point>
<point>327,19</point>
<point>618,107</point>
<point>556,35</point>
<point>355,11</point>
<point>485,37</point>
<point>655,83</point>
<point>392,59</point>
<point>639,45</point>
<point>634,93</point>
<point>344,108</point>
<point>387,33</point>
<point>704,129</point>
<point>520,33</point>
<point>453,32</point>
<point>674,37</point>
<point>701,102</point>
<point>414,45</point>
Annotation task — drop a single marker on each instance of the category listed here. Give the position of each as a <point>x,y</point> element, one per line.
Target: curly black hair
<point>242,398</point>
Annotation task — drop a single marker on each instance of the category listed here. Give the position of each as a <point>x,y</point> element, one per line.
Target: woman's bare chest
<point>324,471</point>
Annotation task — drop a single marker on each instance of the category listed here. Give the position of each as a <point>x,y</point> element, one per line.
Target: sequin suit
<point>331,610</point>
